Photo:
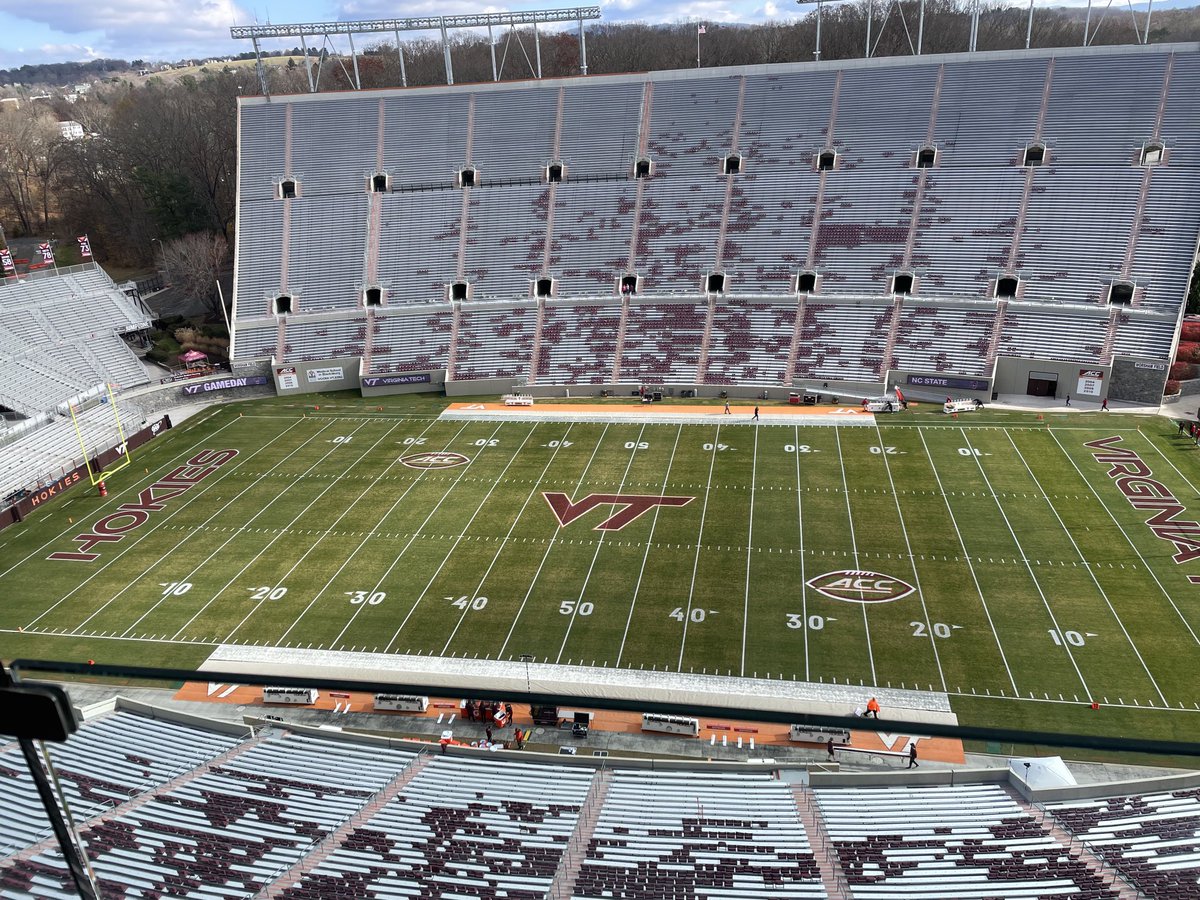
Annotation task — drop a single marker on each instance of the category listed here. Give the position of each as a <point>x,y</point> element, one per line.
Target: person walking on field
<point>873,707</point>
<point>912,755</point>
<point>756,414</point>
<point>727,408</point>
<point>829,748</point>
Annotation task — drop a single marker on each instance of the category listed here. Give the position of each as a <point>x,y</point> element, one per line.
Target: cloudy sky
<point>39,31</point>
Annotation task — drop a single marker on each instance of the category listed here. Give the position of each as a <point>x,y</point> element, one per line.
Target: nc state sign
<point>860,587</point>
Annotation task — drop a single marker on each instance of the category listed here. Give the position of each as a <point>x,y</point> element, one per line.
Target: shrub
<point>1187,352</point>
<point>1190,330</point>
<point>1182,371</point>
<point>1172,387</point>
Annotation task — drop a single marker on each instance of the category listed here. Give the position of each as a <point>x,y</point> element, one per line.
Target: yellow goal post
<point>99,435</point>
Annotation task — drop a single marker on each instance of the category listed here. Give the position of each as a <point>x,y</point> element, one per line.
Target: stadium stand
<point>168,804</point>
<point>961,841</point>
<point>60,335</point>
<point>685,834</point>
<point>1153,839</point>
<point>935,239</point>
<point>460,827</point>
<point>114,759</point>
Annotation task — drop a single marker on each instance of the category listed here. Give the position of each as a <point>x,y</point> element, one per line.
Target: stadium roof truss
<point>444,24</point>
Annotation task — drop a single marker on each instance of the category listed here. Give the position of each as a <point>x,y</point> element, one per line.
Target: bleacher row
<point>168,808</point>
<point>61,335</point>
<point>1089,216</point>
<point>752,340</point>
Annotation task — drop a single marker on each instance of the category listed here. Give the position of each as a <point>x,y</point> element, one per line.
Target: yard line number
<point>175,588</point>
<point>586,608</point>
<point>266,592</point>
<point>939,629</point>
<point>370,598</point>
<point>465,602</point>
<point>1074,638</point>
<point>697,615</point>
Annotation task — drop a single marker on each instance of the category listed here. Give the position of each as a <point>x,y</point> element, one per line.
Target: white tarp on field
<point>740,696</point>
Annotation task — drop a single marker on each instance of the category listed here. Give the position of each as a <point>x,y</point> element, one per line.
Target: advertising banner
<point>387,380</point>
<point>950,384</point>
<point>288,381</point>
<point>226,384</point>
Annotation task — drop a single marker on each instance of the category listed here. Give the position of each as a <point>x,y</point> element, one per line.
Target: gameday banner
<point>47,253</point>
<point>45,492</point>
<point>6,260</point>
<point>85,246</point>
<point>226,384</point>
<point>388,380</point>
<point>950,384</point>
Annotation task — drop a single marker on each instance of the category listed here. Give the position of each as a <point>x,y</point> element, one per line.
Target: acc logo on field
<point>433,460</point>
<point>860,587</point>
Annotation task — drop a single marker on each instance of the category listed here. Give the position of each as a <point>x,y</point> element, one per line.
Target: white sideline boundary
<point>660,416</point>
<point>740,696</point>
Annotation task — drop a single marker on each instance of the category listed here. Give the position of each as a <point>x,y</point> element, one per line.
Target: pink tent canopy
<point>192,356</point>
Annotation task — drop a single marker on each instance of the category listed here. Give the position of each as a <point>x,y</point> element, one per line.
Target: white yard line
<point>279,534</point>
<point>462,534</point>
<point>549,547</point>
<point>800,526</point>
<point>646,553</point>
<point>599,546</point>
<point>1025,559</point>
<point>837,433</point>
<point>198,492</point>
<point>749,550</point>
<point>699,543</point>
<point>133,490</point>
<point>511,528</point>
<point>1091,572</point>
<point>1128,540</point>
<point>1165,458</point>
<point>912,559</point>
<point>970,566</point>
<point>413,485</point>
<point>281,580</point>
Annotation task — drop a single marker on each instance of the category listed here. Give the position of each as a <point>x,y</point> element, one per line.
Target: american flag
<point>700,29</point>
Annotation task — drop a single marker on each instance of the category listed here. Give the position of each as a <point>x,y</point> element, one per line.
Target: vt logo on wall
<point>631,506</point>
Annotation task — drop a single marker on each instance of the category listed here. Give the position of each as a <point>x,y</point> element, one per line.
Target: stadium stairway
<point>311,860</point>
<point>1076,848</point>
<point>562,887</point>
<point>833,876</point>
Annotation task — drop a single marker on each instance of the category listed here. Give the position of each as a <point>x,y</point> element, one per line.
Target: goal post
<point>101,438</point>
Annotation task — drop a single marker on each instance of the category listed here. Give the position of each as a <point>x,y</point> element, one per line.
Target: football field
<point>1040,562</point>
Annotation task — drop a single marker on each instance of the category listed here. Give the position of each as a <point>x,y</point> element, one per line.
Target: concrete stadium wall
<point>1012,376</point>
<point>313,377</point>
<point>1138,380</point>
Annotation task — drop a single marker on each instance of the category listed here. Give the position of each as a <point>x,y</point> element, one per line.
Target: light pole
<point>162,252</point>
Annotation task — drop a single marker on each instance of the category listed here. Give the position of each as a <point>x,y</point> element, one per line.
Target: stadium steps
<point>1110,335</point>
<point>50,843</point>
<point>454,317</point>
<point>535,354</point>
<point>997,331</point>
<point>616,374</point>
<point>893,330</point>
<point>793,351</point>
<point>562,886</point>
<point>833,876</point>
<point>1139,215</point>
<point>706,340</point>
<point>325,849</point>
<point>1076,848</point>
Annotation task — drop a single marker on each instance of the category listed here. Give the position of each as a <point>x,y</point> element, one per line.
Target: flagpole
<point>697,46</point>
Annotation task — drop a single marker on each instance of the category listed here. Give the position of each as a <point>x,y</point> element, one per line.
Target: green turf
<point>1036,581</point>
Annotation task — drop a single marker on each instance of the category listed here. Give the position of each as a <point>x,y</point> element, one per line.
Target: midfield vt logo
<point>632,506</point>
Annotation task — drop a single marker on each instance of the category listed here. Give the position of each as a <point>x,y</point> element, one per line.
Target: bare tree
<point>193,262</point>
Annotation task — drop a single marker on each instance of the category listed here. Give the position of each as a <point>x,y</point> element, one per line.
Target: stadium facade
<point>1008,221</point>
